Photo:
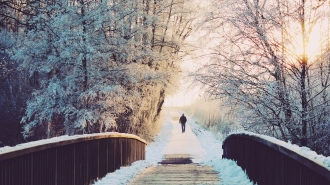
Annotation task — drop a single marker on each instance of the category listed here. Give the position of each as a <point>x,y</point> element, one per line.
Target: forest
<point>269,65</point>
<point>87,66</point>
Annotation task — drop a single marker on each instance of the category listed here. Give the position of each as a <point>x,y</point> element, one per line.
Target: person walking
<point>183,121</point>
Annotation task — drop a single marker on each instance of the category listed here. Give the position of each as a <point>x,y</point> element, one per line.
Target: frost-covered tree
<point>261,66</point>
<point>99,65</point>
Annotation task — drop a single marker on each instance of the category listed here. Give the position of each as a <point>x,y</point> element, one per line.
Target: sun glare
<point>313,48</point>
<point>317,40</point>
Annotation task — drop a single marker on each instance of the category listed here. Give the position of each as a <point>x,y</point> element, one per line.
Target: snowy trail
<point>184,143</point>
<point>200,144</point>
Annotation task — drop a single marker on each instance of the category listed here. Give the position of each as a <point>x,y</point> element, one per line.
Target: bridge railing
<point>272,162</point>
<point>70,160</point>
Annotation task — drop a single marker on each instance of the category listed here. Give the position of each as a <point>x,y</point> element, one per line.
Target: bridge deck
<point>177,169</point>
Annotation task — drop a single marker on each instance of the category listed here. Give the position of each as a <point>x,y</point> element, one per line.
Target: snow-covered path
<point>184,143</point>
<point>200,144</point>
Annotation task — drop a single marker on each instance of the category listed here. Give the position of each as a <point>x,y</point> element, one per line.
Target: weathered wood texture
<point>71,162</point>
<point>176,169</point>
<point>270,164</point>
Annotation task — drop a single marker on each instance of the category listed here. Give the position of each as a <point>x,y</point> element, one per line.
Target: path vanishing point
<point>181,164</point>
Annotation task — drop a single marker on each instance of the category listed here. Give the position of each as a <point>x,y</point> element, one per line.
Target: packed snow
<point>303,151</point>
<point>199,143</point>
<point>8,149</point>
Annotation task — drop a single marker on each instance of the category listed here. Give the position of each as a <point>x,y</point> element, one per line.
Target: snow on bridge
<point>197,145</point>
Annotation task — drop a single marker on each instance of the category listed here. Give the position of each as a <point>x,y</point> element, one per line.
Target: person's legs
<point>184,127</point>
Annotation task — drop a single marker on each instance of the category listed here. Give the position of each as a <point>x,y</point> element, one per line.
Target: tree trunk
<point>166,27</point>
<point>304,103</point>
<point>84,60</point>
<point>153,26</point>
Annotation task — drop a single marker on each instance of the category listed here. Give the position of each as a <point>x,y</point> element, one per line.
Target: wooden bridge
<point>82,159</point>
<point>74,160</point>
<point>270,163</point>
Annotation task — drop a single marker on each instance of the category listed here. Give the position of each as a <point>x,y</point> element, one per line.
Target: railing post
<point>32,174</point>
<point>74,164</point>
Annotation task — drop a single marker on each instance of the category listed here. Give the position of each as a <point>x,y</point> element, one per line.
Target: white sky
<point>186,93</point>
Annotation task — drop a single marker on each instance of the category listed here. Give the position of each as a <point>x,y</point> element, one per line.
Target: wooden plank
<point>176,173</point>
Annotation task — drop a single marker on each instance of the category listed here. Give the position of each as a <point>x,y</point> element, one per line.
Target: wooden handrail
<point>26,148</point>
<point>67,160</point>
<point>268,162</point>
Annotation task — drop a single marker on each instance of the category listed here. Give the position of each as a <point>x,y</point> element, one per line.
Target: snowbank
<point>229,172</point>
<point>154,154</point>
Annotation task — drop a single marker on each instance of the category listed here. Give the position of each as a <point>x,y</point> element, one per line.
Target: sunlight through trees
<point>262,68</point>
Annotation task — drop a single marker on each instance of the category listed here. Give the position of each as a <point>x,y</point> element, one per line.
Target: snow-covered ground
<point>199,143</point>
<point>230,173</point>
<point>154,154</point>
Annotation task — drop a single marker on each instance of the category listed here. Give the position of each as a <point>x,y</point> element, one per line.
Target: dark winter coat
<point>183,119</point>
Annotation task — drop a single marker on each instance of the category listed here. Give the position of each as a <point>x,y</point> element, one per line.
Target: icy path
<point>201,145</point>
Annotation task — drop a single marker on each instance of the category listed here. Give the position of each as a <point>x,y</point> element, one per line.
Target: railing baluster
<point>268,163</point>
<point>78,161</point>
